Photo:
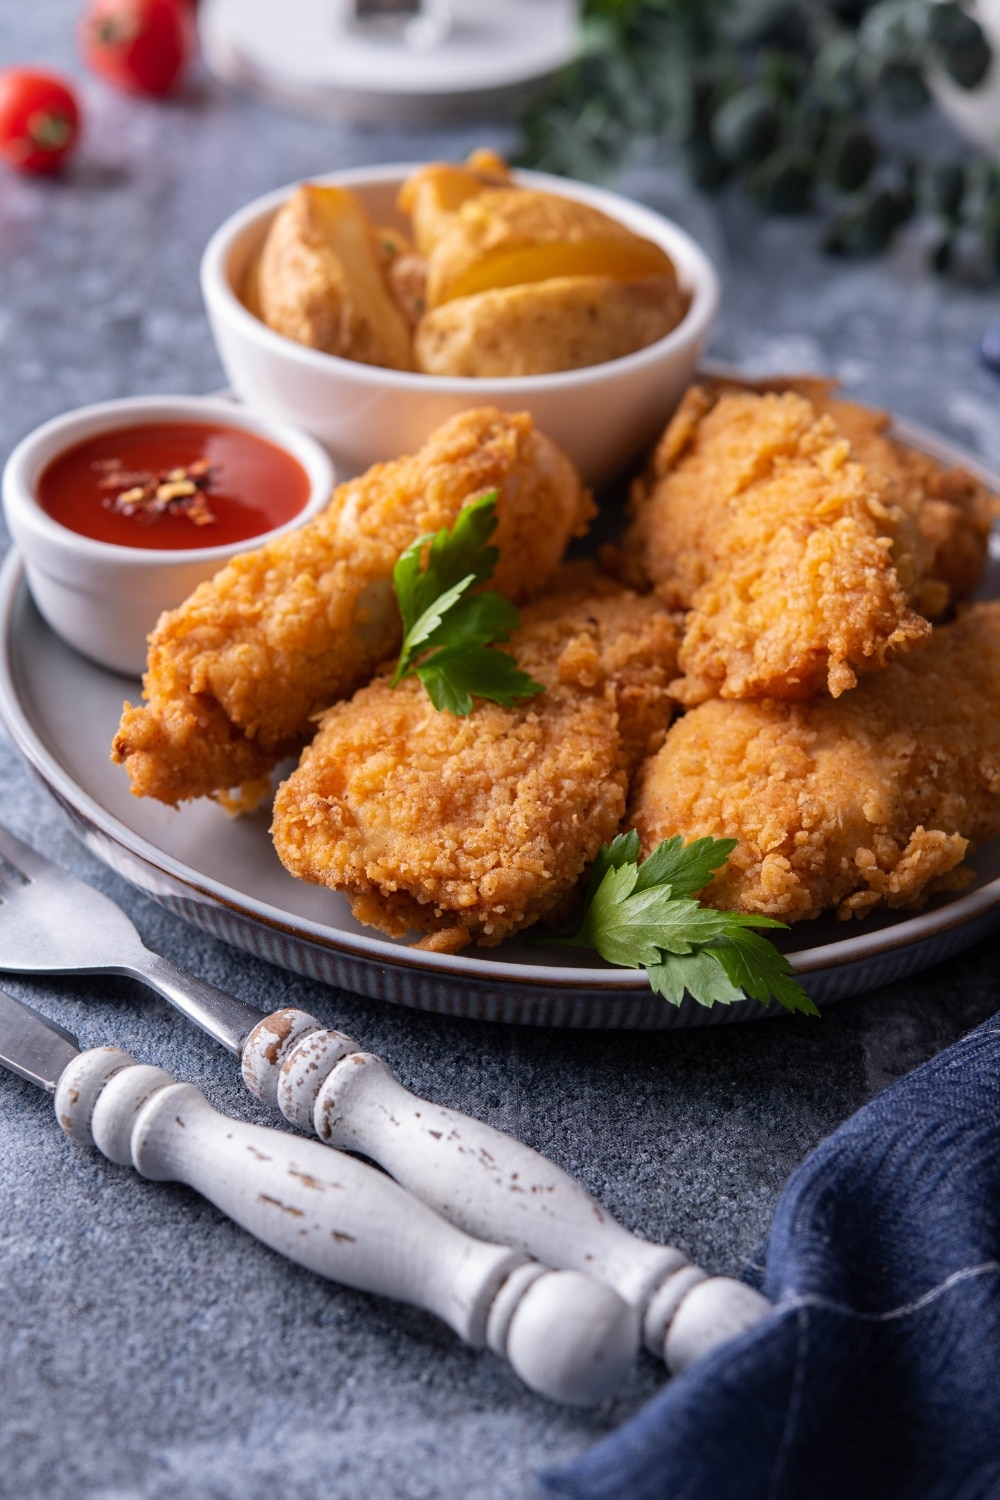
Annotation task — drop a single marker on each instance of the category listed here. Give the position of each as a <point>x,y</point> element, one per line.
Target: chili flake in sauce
<point>173,485</point>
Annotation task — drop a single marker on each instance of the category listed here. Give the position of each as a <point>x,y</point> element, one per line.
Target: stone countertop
<point>151,1350</point>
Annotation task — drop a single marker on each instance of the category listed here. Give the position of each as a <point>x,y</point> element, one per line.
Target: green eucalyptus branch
<point>785,100</point>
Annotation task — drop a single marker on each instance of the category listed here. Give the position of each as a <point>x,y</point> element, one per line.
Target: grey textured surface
<point>152,1351</point>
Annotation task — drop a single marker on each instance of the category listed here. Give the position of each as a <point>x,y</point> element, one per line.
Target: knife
<point>567,1336</point>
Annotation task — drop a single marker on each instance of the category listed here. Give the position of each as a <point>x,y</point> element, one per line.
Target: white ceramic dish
<point>603,416</point>
<point>103,598</point>
<point>222,874</point>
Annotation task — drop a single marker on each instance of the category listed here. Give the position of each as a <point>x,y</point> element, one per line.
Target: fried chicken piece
<point>472,828</point>
<point>238,672</point>
<point>869,800</point>
<point>954,509</point>
<point>794,560</point>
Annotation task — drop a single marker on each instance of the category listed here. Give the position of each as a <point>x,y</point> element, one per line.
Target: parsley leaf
<point>447,630</point>
<point>644,916</point>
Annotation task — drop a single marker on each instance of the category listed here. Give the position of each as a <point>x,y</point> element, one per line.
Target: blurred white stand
<point>305,55</point>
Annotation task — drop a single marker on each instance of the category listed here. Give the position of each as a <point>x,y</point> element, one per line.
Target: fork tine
<point>21,858</point>
<point>12,880</point>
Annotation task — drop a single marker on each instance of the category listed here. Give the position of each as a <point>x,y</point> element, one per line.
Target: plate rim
<point>866,946</point>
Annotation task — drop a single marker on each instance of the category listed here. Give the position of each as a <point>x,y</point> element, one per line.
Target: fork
<point>487,1183</point>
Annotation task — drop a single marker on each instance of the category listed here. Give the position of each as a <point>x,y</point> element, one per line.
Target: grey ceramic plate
<point>223,875</point>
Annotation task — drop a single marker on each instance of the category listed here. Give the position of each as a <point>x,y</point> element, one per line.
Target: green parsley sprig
<point>448,631</point>
<point>644,916</point>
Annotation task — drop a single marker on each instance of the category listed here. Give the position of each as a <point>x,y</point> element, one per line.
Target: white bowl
<point>603,416</point>
<point>104,599</point>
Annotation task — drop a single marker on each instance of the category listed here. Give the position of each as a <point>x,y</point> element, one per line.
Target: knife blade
<point>33,1046</point>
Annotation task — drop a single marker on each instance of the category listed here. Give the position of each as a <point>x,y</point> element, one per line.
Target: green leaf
<point>685,868</point>
<point>451,556</point>
<point>464,548</point>
<point>756,966</point>
<point>452,677</point>
<point>698,974</point>
<point>644,916</point>
<point>959,43</point>
<point>675,926</point>
<point>426,624</point>
<point>616,885</point>
<point>432,617</point>
<point>475,620</point>
<point>623,849</point>
<point>447,628</point>
<point>406,577</point>
<point>647,922</point>
<point>746,127</point>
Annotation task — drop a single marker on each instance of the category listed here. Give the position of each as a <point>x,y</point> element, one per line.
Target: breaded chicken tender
<point>870,800</point>
<point>238,672</point>
<point>954,510</point>
<point>472,828</point>
<point>794,560</point>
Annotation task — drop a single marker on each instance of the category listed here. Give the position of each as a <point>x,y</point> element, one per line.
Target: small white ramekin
<point>602,416</point>
<point>104,599</point>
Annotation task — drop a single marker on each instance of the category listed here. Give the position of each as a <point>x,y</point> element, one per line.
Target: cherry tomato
<point>39,120</point>
<point>142,46</point>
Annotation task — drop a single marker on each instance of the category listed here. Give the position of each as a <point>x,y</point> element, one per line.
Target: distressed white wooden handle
<point>567,1336</point>
<point>488,1183</point>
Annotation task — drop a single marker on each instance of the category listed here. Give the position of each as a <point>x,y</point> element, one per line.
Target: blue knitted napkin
<point>878,1375</point>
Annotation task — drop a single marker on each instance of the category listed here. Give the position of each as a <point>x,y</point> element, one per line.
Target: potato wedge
<point>407,278</point>
<point>390,243</point>
<point>405,272</point>
<point>564,323</point>
<point>434,193</point>
<point>319,281</point>
<point>511,236</point>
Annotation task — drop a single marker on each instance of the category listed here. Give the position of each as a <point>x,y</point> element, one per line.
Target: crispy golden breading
<point>237,673</point>
<point>473,828</point>
<point>792,558</point>
<point>869,800</point>
<point>954,509</point>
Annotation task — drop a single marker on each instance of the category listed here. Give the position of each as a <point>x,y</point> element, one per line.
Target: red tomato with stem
<point>39,120</point>
<point>141,46</point>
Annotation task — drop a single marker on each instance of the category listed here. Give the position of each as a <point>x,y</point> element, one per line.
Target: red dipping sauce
<point>252,485</point>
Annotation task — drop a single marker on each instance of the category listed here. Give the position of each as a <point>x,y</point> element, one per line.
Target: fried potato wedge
<point>433,194</point>
<point>390,243</point>
<point>407,278</point>
<point>319,281</point>
<point>511,236</point>
<point>405,272</point>
<point>564,323</point>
